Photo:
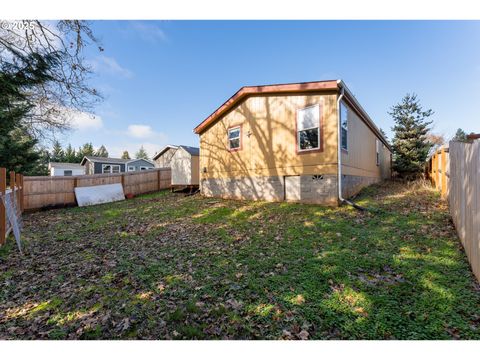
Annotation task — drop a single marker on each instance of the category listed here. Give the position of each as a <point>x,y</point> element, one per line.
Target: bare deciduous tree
<point>68,91</point>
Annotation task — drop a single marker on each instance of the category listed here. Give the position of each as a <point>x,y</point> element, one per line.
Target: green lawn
<point>166,266</point>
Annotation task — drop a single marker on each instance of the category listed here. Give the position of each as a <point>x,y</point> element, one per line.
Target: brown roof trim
<point>264,89</point>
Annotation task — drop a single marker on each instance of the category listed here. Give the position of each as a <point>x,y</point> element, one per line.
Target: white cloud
<point>140,131</point>
<point>148,31</point>
<point>83,121</point>
<point>109,65</point>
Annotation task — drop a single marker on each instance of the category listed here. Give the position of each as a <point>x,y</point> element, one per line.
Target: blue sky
<point>161,78</point>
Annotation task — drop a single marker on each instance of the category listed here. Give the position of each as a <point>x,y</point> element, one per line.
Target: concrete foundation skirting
<point>351,185</point>
<point>315,189</point>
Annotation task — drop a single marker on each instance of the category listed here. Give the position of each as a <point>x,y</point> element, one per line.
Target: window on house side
<point>106,169</point>
<point>131,168</point>
<point>344,125</point>
<point>308,128</point>
<point>67,173</point>
<point>115,169</point>
<point>377,149</point>
<point>234,138</point>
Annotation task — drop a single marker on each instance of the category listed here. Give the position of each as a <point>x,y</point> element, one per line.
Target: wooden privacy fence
<point>56,191</point>
<point>11,205</point>
<point>464,197</point>
<point>438,170</point>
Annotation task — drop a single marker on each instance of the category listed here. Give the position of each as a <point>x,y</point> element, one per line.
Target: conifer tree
<point>102,152</point>
<point>57,154</point>
<point>126,155</point>
<point>141,153</point>
<point>460,135</point>
<point>410,144</point>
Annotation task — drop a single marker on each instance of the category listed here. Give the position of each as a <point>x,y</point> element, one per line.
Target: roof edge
<point>264,89</point>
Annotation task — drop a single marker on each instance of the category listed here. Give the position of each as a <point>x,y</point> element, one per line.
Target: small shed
<point>185,166</point>
<point>65,169</point>
<point>164,157</point>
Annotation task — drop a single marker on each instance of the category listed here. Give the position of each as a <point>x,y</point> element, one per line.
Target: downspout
<point>339,152</point>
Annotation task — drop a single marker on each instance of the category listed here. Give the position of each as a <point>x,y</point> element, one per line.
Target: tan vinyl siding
<point>268,138</point>
<point>360,158</point>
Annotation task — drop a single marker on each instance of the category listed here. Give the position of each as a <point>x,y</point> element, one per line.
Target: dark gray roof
<point>191,150</point>
<point>105,159</point>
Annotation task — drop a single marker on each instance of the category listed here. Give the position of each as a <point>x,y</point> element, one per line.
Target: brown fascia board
<point>304,87</point>
<point>263,90</point>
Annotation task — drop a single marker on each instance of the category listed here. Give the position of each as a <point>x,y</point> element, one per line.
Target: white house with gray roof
<point>104,165</point>
<point>65,169</point>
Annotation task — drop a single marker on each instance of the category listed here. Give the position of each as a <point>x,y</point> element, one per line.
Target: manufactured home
<point>164,157</point>
<point>185,166</point>
<point>303,142</point>
<point>104,165</point>
<point>65,169</point>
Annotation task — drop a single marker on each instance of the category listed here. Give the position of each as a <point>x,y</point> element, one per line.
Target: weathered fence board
<point>464,197</point>
<point>438,170</point>
<point>56,191</point>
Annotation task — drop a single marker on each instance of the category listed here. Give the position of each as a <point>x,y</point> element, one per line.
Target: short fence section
<point>56,191</point>
<point>438,170</point>
<point>464,197</point>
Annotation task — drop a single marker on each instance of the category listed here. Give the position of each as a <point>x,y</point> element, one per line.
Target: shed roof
<point>157,155</point>
<point>191,150</point>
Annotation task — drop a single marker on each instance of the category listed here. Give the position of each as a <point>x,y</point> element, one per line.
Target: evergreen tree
<point>58,154</point>
<point>18,149</point>
<point>102,152</point>
<point>141,153</point>
<point>383,133</point>
<point>87,150</point>
<point>410,144</point>
<point>70,155</point>
<point>126,155</point>
<point>460,135</point>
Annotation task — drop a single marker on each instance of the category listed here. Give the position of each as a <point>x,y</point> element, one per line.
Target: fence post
<point>158,179</point>
<point>123,182</point>
<point>18,181</point>
<point>3,213</point>
<point>12,186</point>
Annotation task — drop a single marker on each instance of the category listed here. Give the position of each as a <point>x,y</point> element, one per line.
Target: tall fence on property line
<point>11,204</point>
<point>464,197</point>
<point>438,170</point>
<point>55,191</point>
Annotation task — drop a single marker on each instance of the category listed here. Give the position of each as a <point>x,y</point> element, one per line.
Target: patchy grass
<point>165,266</point>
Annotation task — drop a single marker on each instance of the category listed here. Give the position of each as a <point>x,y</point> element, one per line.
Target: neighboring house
<point>185,166</point>
<point>103,165</point>
<point>65,169</point>
<point>163,157</point>
<point>282,142</point>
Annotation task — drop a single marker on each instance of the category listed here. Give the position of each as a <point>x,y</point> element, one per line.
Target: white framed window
<point>377,151</point>
<point>308,128</point>
<point>344,125</point>
<point>234,138</point>
<point>110,169</point>
<point>131,168</point>
<point>145,168</point>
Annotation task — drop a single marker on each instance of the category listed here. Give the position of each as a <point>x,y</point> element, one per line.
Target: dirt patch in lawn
<point>166,266</point>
